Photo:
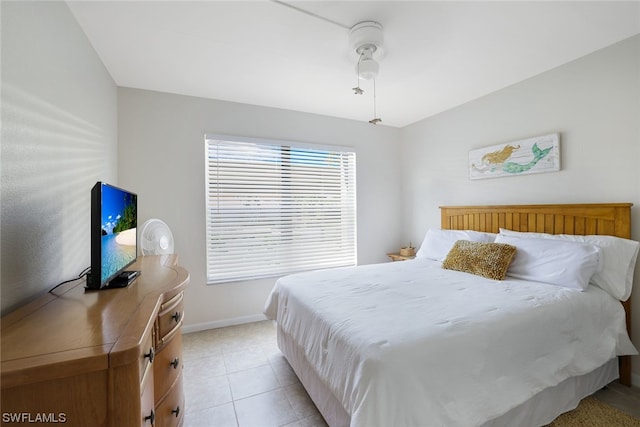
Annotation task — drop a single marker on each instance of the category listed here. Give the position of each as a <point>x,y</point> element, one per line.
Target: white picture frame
<point>539,154</point>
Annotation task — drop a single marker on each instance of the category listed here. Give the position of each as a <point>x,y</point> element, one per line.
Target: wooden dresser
<point>98,358</point>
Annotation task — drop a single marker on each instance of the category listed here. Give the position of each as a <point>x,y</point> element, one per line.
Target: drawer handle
<point>175,363</point>
<point>176,316</point>
<point>176,411</point>
<point>151,417</point>
<point>150,355</point>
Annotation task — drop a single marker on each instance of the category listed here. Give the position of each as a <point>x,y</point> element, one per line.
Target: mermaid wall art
<point>532,155</point>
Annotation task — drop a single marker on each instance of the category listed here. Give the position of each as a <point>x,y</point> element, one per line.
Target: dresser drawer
<point>147,407</point>
<point>147,356</point>
<point>167,366</point>
<point>170,411</point>
<point>170,318</point>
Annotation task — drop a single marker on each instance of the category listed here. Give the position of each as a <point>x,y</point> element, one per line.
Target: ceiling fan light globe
<point>368,68</point>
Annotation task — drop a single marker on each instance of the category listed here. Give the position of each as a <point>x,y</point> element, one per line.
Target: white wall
<point>59,136</point>
<point>594,103</point>
<point>161,158</point>
<point>59,132</point>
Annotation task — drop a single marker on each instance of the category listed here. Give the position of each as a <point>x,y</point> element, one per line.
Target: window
<point>275,208</point>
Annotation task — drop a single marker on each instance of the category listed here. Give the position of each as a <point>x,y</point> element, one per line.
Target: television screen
<point>113,235</point>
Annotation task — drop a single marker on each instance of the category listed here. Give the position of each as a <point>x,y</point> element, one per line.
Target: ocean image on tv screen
<point>119,218</point>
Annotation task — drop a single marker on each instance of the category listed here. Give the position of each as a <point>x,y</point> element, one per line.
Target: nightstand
<point>397,257</point>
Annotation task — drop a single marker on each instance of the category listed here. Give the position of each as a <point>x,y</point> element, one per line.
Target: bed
<point>413,344</point>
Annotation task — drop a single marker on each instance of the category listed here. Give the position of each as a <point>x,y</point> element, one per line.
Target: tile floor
<point>237,377</point>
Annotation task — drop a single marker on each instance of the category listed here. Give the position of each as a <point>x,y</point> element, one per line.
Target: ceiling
<point>296,55</point>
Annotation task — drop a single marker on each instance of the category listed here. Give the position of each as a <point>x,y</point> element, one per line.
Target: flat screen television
<point>114,218</point>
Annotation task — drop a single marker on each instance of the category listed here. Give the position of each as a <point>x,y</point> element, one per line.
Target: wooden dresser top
<point>79,329</point>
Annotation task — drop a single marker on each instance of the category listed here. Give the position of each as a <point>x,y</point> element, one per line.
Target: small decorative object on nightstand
<point>407,252</point>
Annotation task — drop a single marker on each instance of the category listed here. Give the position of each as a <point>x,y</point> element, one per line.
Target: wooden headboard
<point>613,219</point>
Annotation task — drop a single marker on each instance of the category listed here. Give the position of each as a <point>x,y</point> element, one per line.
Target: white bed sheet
<point>538,411</point>
<point>409,343</point>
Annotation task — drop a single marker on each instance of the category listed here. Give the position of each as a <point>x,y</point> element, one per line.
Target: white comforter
<point>411,344</point>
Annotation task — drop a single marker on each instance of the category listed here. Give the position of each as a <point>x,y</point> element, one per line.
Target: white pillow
<point>561,263</point>
<point>618,259</point>
<point>437,242</point>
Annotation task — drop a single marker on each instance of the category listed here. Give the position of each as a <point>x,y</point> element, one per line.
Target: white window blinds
<point>277,208</point>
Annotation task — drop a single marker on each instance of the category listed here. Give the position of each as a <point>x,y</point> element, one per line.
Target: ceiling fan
<point>366,38</point>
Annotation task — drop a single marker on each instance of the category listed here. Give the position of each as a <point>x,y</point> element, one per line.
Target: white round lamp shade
<point>368,68</point>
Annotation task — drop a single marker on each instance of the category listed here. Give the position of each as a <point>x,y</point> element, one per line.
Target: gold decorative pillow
<point>490,260</point>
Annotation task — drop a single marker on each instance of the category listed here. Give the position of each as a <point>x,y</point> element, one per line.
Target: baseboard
<point>186,329</point>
